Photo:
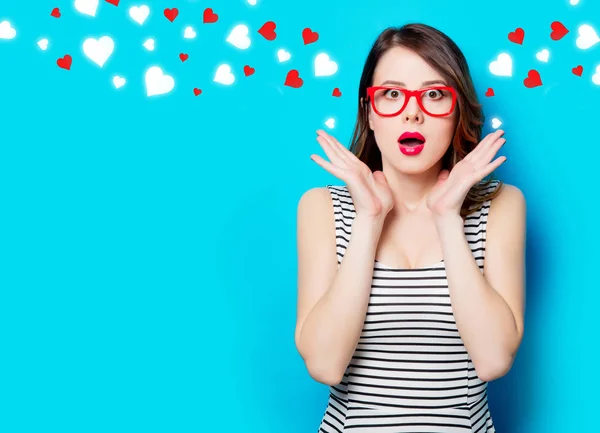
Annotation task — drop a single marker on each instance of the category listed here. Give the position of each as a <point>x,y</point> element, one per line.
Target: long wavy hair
<point>442,54</point>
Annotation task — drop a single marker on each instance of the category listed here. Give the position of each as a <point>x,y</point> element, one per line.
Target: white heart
<point>587,37</point>
<point>596,76</point>
<point>119,81</point>
<point>252,2</point>
<point>239,37</point>
<point>496,123</point>
<point>139,13</point>
<point>189,33</point>
<point>324,67</point>
<point>574,2</point>
<point>149,44</point>
<point>99,50</point>
<point>157,83</point>
<point>330,123</point>
<point>224,75</point>
<point>87,7</point>
<point>6,30</point>
<point>502,66</point>
<point>43,44</point>
<point>283,55</point>
<point>543,55</point>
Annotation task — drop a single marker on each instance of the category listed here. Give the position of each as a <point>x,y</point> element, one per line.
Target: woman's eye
<point>434,93</point>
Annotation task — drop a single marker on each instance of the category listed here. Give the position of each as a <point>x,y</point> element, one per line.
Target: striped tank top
<point>410,371</point>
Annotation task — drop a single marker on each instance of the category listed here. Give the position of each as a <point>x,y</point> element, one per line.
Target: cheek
<point>385,129</point>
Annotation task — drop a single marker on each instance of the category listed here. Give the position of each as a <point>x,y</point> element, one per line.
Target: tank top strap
<point>344,213</point>
<point>476,227</point>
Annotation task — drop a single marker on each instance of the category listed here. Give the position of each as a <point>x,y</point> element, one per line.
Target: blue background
<point>148,250</point>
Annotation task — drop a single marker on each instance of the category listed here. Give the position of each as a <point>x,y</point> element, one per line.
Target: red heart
<point>183,57</point>
<point>517,36</point>
<point>65,62</point>
<point>533,79</point>
<point>490,92</point>
<point>558,30</point>
<point>197,91</point>
<point>578,70</point>
<point>171,14</point>
<point>293,79</point>
<point>309,36</point>
<point>210,16</point>
<point>336,92</point>
<point>248,70</point>
<point>113,2</point>
<point>268,30</point>
<point>55,13</point>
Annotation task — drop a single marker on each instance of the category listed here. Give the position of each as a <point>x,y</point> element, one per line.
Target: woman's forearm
<point>330,333</point>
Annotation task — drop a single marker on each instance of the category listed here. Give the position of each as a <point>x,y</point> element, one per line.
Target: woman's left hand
<point>451,189</point>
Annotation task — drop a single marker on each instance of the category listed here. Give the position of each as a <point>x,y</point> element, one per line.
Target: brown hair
<point>442,54</point>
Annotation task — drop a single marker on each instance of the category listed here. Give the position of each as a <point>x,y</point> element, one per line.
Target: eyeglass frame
<point>409,94</point>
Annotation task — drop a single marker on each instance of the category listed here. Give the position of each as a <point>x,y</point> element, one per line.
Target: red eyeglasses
<point>388,101</point>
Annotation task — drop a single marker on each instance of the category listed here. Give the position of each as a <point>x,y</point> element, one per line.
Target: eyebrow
<point>424,83</point>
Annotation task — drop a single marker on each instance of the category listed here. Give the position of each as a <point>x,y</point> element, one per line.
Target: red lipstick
<point>411,143</point>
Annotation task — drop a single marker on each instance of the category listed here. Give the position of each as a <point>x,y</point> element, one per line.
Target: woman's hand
<point>448,194</point>
<point>370,191</point>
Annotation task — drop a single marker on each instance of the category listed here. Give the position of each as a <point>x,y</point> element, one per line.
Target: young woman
<point>410,283</point>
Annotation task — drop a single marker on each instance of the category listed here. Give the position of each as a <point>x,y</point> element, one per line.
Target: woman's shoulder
<point>316,197</point>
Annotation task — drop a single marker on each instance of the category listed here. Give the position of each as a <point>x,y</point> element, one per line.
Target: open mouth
<point>411,139</point>
<point>411,142</point>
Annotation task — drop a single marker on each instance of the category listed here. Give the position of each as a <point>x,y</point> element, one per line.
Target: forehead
<point>403,65</point>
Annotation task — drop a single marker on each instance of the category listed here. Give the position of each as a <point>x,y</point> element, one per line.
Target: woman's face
<point>404,68</point>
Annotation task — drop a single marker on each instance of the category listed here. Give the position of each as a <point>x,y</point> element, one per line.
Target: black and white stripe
<point>410,371</point>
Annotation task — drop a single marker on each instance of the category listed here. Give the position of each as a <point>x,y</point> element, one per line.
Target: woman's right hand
<point>371,194</point>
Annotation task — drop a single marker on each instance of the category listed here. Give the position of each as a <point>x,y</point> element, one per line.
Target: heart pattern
<point>239,37</point>
<point>324,66</point>
<point>209,17</point>
<point>596,76</point>
<point>587,37</point>
<point>149,44</point>
<point>543,55</point>
<point>533,79</point>
<point>558,31</point>
<point>139,13</point>
<point>100,50</point>
<point>502,66</point>
<point>293,79</point>
<point>87,7</point>
<point>224,75</point>
<point>43,44</point>
<point>267,31</point>
<point>171,14</point>
<point>65,62</point>
<point>283,55</point>
<point>309,37</point>
<point>7,31</point>
<point>517,36</point>
<point>157,82</point>
<point>118,81</point>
